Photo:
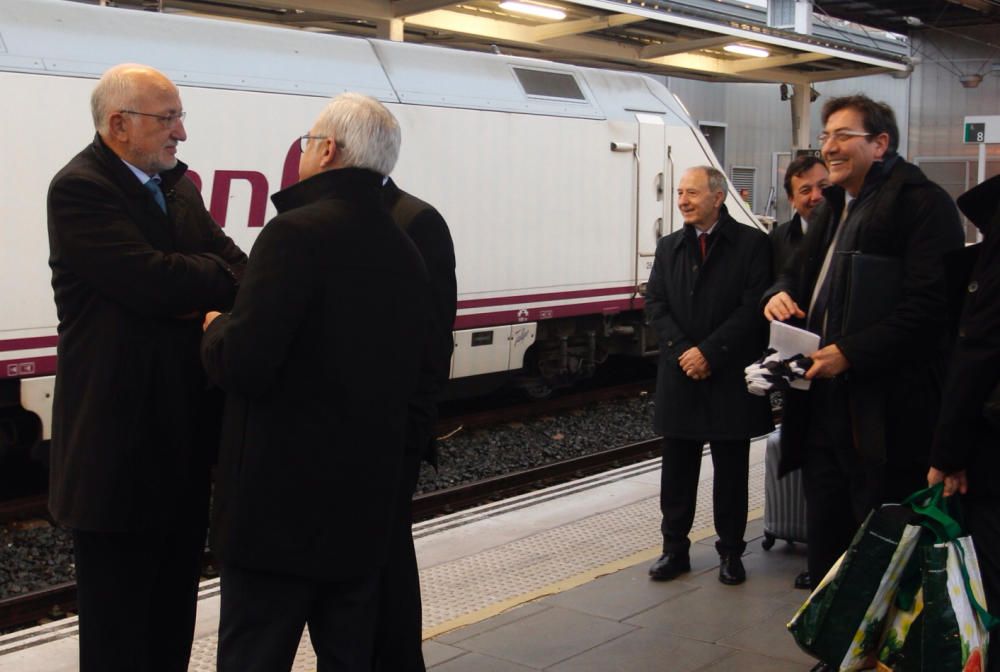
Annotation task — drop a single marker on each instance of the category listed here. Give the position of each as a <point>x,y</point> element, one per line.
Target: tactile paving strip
<point>467,585</point>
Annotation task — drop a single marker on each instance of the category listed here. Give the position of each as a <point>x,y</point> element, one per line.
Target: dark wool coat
<point>133,429</point>
<point>712,306</point>
<point>964,439</point>
<point>427,229</point>
<point>894,382</point>
<point>319,357</point>
<point>785,239</point>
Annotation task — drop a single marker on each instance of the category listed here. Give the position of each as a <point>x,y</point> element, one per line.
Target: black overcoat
<point>427,229</point>
<point>896,364</point>
<point>712,306</point>
<point>785,239</point>
<point>132,427</point>
<point>319,357</point>
<point>964,439</point>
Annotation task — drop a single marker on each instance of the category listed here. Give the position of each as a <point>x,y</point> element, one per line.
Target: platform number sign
<point>975,132</point>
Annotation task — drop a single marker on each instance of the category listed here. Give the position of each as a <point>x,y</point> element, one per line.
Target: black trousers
<point>679,492</point>
<point>137,593</point>
<point>399,626</point>
<point>982,521</point>
<point>840,488</point>
<point>263,616</point>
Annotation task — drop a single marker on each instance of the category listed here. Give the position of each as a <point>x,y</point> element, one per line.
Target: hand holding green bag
<point>845,621</point>
<point>939,622</point>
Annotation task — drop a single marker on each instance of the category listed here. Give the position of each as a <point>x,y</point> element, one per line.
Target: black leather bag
<point>874,287</point>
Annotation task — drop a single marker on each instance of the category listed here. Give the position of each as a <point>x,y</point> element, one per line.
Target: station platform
<point>556,580</point>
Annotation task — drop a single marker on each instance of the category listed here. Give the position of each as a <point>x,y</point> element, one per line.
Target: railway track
<point>52,602</point>
<point>30,608</point>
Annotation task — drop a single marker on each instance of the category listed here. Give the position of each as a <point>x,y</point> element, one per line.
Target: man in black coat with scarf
<point>320,358</point>
<point>965,453</point>
<point>136,261</point>
<point>805,179</point>
<point>862,431</point>
<point>398,636</point>
<point>702,298</point>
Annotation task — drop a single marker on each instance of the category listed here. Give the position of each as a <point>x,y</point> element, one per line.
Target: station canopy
<point>685,38</point>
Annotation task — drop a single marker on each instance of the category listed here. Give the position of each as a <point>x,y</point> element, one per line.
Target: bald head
<point>122,88</point>
<point>137,112</point>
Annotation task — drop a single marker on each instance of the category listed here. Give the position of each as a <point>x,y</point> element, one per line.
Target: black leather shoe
<point>803,581</point>
<point>669,566</point>
<point>731,570</point>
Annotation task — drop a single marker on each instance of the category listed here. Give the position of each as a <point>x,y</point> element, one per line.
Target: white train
<point>556,180</point>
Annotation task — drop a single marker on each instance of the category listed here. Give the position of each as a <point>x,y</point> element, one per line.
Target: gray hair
<point>366,132</point>
<point>716,179</point>
<point>116,90</point>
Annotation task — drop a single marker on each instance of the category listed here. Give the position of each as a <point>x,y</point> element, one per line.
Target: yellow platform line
<point>568,583</point>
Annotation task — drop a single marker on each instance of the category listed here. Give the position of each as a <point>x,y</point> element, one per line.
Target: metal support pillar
<point>391,29</point>
<point>801,122</point>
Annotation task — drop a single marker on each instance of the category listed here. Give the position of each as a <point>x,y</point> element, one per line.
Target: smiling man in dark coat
<point>136,260</point>
<point>320,357</point>
<point>862,431</point>
<point>702,299</point>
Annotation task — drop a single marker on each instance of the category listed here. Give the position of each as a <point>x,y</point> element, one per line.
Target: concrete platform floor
<point>624,622</point>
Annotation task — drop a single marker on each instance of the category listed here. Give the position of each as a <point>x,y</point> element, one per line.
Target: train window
<point>549,84</point>
<point>482,338</point>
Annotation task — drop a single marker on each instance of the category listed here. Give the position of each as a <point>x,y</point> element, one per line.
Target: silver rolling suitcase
<point>784,501</point>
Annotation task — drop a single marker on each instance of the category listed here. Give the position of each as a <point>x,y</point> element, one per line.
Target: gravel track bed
<point>37,555</point>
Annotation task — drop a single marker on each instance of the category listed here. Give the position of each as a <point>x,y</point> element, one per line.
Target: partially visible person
<point>805,179</point>
<point>317,408</point>
<point>862,431</point>
<point>136,261</point>
<point>702,297</point>
<point>398,637</point>
<point>965,453</point>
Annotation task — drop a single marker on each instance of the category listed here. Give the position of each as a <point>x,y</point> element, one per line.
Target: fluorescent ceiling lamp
<point>745,50</point>
<point>543,11</point>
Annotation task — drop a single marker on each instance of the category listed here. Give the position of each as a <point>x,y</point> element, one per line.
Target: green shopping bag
<point>939,622</point>
<point>842,621</point>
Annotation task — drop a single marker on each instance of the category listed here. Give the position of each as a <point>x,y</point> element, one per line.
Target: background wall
<point>930,106</point>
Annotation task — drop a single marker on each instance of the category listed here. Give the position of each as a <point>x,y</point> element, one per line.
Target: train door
<point>654,192</point>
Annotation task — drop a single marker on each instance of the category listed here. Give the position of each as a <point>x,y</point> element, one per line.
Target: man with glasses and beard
<point>136,262</point>
<point>862,432</point>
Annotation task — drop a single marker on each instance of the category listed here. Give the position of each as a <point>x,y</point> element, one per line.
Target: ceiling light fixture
<point>971,81</point>
<point>543,11</point>
<point>745,50</point>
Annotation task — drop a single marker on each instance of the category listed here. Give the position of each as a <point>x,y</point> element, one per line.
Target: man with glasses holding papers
<point>862,431</point>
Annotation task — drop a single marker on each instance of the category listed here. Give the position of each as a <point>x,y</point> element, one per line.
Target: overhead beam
<point>563,28</point>
<point>404,8</point>
<point>845,74</point>
<point>683,46</point>
<point>749,64</point>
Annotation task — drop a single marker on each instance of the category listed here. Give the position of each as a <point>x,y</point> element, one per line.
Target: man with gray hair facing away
<point>313,432</point>
<point>702,300</point>
<point>136,261</point>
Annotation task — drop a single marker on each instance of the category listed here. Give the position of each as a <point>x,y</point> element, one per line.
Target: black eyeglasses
<point>304,141</point>
<point>167,120</point>
<point>841,136</point>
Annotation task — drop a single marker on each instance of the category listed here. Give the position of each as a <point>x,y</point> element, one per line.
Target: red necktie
<point>703,243</point>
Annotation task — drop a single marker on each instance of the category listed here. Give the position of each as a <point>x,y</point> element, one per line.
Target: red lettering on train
<point>290,173</point>
<point>220,195</point>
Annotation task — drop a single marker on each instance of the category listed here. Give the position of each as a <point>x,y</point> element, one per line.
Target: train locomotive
<point>556,180</point>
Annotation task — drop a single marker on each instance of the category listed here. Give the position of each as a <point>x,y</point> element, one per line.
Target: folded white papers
<point>790,341</point>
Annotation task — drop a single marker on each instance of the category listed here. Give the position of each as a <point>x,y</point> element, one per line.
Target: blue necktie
<point>154,187</point>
